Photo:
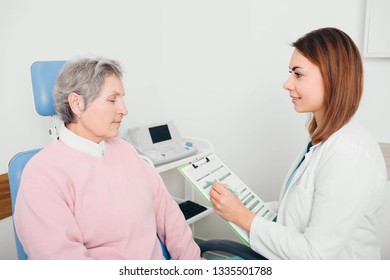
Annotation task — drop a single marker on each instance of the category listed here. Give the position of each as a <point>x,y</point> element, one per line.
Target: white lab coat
<point>332,206</point>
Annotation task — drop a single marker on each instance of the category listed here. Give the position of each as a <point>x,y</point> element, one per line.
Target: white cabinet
<point>376,37</point>
<point>204,149</point>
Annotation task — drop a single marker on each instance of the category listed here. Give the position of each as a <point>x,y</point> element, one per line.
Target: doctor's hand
<point>229,207</point>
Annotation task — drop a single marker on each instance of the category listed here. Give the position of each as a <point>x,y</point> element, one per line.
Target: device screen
<point>160,133</point>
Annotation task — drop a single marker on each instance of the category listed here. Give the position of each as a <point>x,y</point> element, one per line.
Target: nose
<point>122,109</point>
<point>288,85</point>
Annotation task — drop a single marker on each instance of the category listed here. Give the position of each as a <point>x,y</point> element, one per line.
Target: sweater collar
<point>79,143</point>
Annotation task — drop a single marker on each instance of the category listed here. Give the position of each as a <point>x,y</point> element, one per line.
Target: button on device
<point>188,144</point>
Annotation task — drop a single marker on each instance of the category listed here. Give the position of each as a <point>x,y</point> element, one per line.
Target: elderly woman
<point>88,195</point>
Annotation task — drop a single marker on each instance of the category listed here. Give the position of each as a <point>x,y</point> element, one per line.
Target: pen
<point>230,190</point>
<point>208,183</point>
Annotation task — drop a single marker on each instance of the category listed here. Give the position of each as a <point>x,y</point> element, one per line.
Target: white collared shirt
<point>79,143</point>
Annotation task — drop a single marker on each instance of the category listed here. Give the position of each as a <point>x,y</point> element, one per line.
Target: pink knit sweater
<point>72,205</point>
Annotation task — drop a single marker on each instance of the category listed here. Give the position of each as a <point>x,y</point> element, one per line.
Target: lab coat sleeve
<point>344,185</point>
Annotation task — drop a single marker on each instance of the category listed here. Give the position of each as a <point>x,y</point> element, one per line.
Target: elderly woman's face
<point>103,116</point>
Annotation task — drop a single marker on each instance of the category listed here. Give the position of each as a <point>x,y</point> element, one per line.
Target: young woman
<point>88,195</point>
<point>332,197</point>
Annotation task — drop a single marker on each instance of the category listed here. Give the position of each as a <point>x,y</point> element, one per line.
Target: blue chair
<point>43,76</point>
<point>15,169</point>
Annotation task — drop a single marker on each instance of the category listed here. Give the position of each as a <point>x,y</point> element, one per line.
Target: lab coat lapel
<point>290,171</point>
<point>301,168</point>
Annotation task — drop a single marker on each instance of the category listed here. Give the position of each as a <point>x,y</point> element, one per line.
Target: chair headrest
<point>43,77</point>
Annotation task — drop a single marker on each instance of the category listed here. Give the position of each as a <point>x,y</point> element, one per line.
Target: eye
<point>297,74</point>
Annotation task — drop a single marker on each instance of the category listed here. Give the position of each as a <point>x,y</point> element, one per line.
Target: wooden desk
<point>5,197</point>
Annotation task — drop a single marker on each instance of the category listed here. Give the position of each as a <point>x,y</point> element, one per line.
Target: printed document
<point>204,172</point>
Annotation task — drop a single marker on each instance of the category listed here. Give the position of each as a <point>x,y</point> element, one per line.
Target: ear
<point>76,103</point>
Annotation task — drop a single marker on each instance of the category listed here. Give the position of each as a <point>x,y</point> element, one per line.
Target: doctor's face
<point>305,85</point>
<point>103,116</point>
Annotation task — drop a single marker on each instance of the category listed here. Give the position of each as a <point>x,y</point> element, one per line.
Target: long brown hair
<point>341,66</point>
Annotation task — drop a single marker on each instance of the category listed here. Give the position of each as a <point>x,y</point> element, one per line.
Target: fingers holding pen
<point>219,187</point>
<point>224,201</point>
<point>218,192</point>
<point>228,206</point>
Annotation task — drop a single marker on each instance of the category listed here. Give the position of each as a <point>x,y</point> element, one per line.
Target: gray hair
<point>85,77</point>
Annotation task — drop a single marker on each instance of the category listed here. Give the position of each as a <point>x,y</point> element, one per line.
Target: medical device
<point>160,142</point>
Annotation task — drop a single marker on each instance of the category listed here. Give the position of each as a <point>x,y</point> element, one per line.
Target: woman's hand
<point>229,207</point>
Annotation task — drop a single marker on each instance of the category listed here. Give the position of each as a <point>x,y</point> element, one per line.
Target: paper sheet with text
<point>205,171</point>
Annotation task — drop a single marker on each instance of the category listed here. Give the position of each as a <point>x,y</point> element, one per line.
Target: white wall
<point>214,67</point>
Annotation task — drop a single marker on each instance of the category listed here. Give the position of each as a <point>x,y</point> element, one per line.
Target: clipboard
<point>203,172</point>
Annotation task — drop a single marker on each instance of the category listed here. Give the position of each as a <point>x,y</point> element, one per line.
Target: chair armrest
<point>230,247</point>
